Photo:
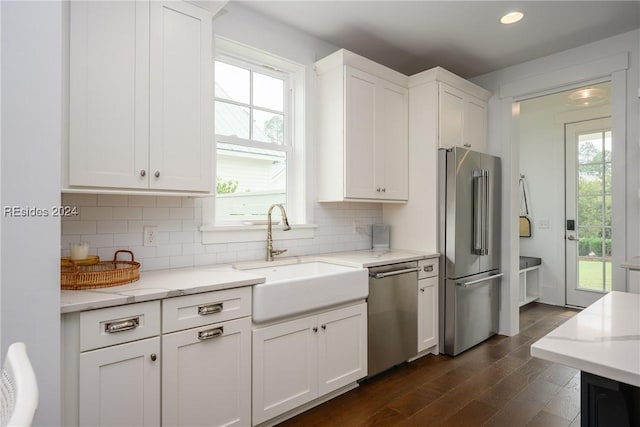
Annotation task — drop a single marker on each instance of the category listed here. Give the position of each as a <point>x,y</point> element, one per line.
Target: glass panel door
<point>588,210</point>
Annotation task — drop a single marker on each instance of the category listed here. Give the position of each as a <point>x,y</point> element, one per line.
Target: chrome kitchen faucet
<point>270,251</point>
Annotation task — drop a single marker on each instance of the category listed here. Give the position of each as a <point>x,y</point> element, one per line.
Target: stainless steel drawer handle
<point>210,333</point>
<point>122,325</point>
<point>475,282</point>
<point>203,310</point>
<point>396,272</point>
<point>428,268</point>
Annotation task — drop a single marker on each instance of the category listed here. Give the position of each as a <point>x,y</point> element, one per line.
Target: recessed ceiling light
<point>588,96</point>
<point>512,17</point>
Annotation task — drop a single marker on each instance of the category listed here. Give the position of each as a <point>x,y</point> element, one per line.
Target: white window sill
<point>212,234</point>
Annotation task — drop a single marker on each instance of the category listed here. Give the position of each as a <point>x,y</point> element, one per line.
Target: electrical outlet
<point>150,235</point>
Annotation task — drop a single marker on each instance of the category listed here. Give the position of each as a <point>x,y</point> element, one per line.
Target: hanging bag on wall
<point>525,222</point>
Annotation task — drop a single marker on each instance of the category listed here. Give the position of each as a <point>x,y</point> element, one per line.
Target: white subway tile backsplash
<point>113,222</point>
<point>169,202</point>
<point>142,201</point>
<point>113,200</point>
<point>79,227</point>
<point>155,213</point>
<point>73,199</point>
<point>112,227</point>
<point>127,213</point>
<point>181,213</point>
<point>88,213</point>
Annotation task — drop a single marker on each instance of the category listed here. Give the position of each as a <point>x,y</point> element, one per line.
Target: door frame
<point>613,68</point>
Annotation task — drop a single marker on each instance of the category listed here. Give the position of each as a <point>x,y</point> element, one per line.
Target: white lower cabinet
<point>427,313</point>
<point>120,385</point>
<point>297,361</point>
<point>428,282</point>
<point>206,376</point>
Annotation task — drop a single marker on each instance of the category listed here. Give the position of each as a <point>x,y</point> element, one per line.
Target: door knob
<point>573,238</point>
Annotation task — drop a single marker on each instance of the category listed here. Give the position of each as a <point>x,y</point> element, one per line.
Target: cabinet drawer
<point>428,268</point>
<point>117,325</point>
<point>191,311</point>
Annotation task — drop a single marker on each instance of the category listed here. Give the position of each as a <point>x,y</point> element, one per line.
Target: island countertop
<point>603,339</point>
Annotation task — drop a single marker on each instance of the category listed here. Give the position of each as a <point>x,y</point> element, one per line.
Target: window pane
<point>249,180</point>
<point>590,179</point>
<point>607,178</point>
<point>232,120</point>
<point>607,211</point>
<point>268,127</point>
<point>231,82</point>
<point>268,92</point>
<point>590,274</point>
<point>590,244</point>
<point>590,148</point>
<point>590,211</point>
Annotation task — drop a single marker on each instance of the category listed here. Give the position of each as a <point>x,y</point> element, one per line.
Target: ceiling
<point>464,37</point>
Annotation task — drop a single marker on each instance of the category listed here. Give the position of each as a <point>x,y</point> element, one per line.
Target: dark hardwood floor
<point>496,383</point>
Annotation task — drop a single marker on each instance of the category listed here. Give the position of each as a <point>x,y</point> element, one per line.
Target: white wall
<point>547,73</point>
<point>542,162</point>
<point>31,134</point>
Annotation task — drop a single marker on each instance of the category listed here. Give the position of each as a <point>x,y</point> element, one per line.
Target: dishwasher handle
<point>395,273</point>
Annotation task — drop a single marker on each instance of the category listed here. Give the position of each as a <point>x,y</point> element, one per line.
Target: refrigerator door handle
<point>480,214</point>
<point>475,282</point>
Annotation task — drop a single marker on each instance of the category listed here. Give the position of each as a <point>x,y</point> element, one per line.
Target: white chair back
<point>19,389</point>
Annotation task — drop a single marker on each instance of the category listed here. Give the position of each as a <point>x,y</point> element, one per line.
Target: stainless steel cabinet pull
<point>396,272</point>
<point>378,189</point>
<point>203,310</point>
<point>324,327</point>
<point>315,329</point>
<point>421,289</point>
<point>475,282</point>
<point>428,268</point>
<point>384,190</point>
<point>122,325</point>
<point>143,172</point>
<point>210,333</point>
<point>157,174</point>
<point>153,357</point>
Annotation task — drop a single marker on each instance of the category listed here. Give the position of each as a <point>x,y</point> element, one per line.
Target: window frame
<point>298,206</point>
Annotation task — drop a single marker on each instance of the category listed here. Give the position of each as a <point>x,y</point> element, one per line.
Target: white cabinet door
<point>207,381</point>
<point>475,124</point>
<point>120,385</point>
<point>109,93</point>
<point>285,367</point>
<point>181,103</point>
<point>392,147</point>
<point>427,313</point>
<point>451,113</point>
<point>360,134</point>
<point>342,347</point>
<point>463,119</point>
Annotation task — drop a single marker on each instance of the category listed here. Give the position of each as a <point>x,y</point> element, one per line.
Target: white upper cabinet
<point>463,119</point>
<point>141,96</point>
<point>363,130</point>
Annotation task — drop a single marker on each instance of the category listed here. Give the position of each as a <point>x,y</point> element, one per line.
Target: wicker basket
<point>100,275</point>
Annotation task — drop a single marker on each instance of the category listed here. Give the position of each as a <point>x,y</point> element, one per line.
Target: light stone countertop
<point>603,339</point>
<point>168,283</point>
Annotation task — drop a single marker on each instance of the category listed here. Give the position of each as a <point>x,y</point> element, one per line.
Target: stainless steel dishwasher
<point>392,315</point>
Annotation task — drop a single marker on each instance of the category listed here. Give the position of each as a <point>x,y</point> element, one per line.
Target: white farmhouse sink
<point>298,288</point>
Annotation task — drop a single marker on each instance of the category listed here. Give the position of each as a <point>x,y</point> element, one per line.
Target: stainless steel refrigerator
<point>469,238</point>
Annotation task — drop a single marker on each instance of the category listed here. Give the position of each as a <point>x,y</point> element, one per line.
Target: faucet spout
<point>270,251</point>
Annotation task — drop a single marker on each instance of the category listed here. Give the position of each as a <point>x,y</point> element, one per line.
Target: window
<point>253,139</point>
